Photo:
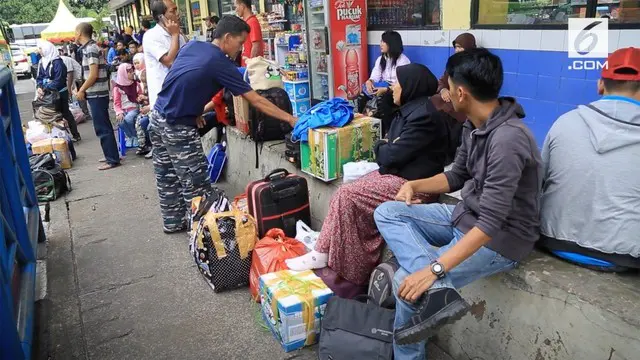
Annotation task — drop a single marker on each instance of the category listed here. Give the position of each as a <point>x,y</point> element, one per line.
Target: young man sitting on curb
<point>590,209</point>
<point>441,247</point>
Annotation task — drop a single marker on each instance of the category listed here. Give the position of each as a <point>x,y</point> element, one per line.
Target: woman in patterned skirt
<point>414,148</point>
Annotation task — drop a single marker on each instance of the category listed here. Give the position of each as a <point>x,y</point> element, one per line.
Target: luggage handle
<point>271,177</point>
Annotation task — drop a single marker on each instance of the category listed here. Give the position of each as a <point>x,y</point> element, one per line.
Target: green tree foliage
<point>43,11</point>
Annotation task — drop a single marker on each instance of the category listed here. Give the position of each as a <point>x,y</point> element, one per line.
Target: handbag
<point>353,329</point>
<point>263,74</point>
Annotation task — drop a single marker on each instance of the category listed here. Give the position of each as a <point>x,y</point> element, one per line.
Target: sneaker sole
<point>427,329</point>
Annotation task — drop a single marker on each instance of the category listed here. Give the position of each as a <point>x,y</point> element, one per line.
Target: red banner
<point>348,34</point>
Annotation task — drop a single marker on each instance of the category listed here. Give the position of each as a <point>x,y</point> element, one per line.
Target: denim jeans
<point>104,130</point>
<point>419,235</point>
<point>128,125</point>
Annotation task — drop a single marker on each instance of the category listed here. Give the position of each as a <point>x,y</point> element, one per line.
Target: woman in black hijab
<point>349,242</point>
<point>416,142</point>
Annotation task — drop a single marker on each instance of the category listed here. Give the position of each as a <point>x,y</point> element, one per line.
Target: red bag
<point>269,255</point>
<point>220,108</point>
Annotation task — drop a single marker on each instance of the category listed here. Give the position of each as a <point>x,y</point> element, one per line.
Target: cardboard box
<point>329,148</point>
<point>241,111</point>
<point>300,106</point>
<point>293,303</point>
<point>297,90</point>
<point>58,147</point>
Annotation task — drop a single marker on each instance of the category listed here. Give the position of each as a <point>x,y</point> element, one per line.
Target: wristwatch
<point>437,269</point>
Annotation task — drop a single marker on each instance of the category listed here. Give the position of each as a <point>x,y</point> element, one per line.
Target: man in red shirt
<point>253,45</point>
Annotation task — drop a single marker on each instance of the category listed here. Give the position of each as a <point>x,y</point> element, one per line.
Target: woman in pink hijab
<point>125,100</point>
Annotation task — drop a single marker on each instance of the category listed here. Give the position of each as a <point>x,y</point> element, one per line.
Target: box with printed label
<point>297,90</point>
<point>300,106</point>
<point>329,148</point>
<point>241,112</point>
<point>293,303</point>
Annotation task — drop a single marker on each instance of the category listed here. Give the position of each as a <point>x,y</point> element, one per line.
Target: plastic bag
<point>305,235</point>
<point>269,255</point>
<point>37,131</point>
<point>354,170</point>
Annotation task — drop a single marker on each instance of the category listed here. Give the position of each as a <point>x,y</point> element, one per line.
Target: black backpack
<point>266,128</point>
<point>356,330</point>
<point>51,183</point>
<point>381,284</point>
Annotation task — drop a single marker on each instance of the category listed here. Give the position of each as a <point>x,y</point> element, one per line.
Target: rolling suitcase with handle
<point>279,201</point>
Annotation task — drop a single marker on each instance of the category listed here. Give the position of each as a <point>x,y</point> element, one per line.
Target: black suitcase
<point>279,201</point>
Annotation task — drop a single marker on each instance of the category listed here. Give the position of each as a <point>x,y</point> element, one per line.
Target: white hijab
<point>48,52</point>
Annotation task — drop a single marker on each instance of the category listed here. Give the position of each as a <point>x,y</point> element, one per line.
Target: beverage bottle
<point>353,74</point>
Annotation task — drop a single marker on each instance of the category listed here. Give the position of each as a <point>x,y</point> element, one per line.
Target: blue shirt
<point>54,77</point>
<point>199,72</point>
<point>111,55</point>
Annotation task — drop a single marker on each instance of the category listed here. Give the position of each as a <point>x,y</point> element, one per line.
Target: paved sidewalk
<point>121,289</point>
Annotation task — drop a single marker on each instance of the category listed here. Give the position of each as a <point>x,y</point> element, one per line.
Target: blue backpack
<point>216,159</point>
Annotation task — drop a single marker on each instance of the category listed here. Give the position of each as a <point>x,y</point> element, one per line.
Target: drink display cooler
<point>337,42</point>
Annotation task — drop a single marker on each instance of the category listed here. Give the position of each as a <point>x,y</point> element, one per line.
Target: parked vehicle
<point>20,62</point>
<point>6,36</point>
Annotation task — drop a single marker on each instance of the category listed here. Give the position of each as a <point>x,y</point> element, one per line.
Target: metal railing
<point>20,229</point>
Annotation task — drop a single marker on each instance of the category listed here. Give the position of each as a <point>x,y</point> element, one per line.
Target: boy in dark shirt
<point>440,247</point>
<point>199,72</point>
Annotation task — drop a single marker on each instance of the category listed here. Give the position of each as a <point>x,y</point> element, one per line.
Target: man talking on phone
<point>161,45</point>
<point>199,72</point>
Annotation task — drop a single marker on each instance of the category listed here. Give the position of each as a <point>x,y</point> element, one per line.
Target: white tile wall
<point>441,38</point>
<point>411,37</point>
<point>546,40</point>
<point>490,39</point>
<point>530,39</point>
<point>509,39</point>
<point>553,40</point>
<point>373,37</point>
<point>614,39</point>
<point>629,38</point>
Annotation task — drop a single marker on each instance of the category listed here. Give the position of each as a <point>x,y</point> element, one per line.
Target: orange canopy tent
<point>63,26</point>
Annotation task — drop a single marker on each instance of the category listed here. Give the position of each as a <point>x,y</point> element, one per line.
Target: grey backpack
<point>356,330</point>
<point>381,284</point>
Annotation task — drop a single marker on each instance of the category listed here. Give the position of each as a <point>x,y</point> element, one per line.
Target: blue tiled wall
<point>540,80</point>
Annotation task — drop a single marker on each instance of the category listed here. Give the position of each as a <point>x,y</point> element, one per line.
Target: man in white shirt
<point>71,76</point>
<point>161,45</point>
<point>74,78</point>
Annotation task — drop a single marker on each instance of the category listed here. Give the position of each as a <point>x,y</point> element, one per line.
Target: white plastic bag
<point>305,235</point>
<point>354,170</point>
<point>36,131</point>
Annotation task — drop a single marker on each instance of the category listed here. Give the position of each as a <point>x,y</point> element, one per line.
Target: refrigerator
<point>337,43</point>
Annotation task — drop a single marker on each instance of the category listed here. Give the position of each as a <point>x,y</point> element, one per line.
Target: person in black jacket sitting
<point>414,148</point>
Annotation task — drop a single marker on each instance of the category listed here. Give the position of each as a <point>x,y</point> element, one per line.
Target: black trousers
<point>67,115</point>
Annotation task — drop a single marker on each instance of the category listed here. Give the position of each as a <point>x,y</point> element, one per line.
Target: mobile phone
<point>161,19</point>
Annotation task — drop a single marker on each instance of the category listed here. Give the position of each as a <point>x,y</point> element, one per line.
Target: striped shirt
<point>91,55</point>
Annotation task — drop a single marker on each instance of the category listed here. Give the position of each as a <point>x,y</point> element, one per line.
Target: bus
<point>27,35</point>
<point>6,37</point>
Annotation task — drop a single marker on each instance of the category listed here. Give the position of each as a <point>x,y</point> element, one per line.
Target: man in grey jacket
<point>590,211</point>
<point>440,247</point>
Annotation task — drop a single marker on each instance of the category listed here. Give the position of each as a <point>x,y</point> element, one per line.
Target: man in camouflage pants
<point>180,167</point>
<point>199,72</point>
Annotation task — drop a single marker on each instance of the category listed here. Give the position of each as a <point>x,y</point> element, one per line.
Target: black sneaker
<point>180,229</point>
<point>437,308</point>
<point>143,151</point>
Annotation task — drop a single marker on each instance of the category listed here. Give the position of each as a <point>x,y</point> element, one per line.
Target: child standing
<point>125,100</point>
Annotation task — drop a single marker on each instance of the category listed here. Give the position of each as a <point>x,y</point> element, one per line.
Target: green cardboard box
<point>328,148</point>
